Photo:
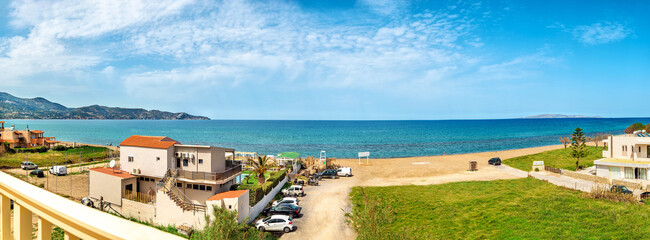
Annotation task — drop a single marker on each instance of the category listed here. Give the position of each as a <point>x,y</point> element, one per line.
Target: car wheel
<point>287,229</point>
<point>262,229</point>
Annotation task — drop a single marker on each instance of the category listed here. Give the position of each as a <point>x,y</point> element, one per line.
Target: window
<point>189,186</point>
<point>179,185</point>
<point>195,187</point>
<point>157,158</point>
<point>201,160</point>
<point>146,179</point>
<point>202,187</point>
<point>141,178</point>
<point>208,188</point>
<point>185,163</point>
<point>130,158</point>
<point>629,173</point>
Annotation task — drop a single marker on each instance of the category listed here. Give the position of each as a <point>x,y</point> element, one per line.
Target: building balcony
<point>212,177</point>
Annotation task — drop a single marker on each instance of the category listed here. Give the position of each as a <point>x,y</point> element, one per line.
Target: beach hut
<point>287,158</point>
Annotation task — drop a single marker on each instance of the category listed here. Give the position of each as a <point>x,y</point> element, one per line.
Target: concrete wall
<point>239,204</point>
<point>587,177</point>
<point>168,213</point>
<point>144,212</point>
<point>107,186</point>
<point>146,186</point>
<point>602,171</point>
<point>145,159</point>
<point>257,209</point>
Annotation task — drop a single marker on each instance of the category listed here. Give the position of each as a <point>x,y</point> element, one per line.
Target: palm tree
<point>260,167</point>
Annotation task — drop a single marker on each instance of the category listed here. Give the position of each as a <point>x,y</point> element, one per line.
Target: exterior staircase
<point>169,188</point>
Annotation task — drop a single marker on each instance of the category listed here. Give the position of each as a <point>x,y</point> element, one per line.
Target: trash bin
<point>473,166</point>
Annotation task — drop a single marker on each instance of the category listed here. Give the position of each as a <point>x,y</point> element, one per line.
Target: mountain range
<point>12,107</point>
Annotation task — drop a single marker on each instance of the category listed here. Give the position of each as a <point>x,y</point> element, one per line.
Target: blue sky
<point>332,59</point>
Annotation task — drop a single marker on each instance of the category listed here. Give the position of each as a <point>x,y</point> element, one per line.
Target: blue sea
<point>341,139</point>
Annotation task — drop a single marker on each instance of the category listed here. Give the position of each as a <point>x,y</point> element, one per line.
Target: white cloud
<point>385,7</point>
<point>601,32</point>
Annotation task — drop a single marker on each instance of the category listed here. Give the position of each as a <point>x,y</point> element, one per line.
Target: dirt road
<point>325,205</point>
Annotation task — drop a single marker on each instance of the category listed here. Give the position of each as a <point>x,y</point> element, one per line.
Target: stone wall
<point>628,184</point>
<point>587,177</point>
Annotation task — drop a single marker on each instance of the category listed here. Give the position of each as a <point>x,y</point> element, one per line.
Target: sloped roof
<point>149,142</point>
<point>229,194</point>
<point>37,131</point>
<point>115,173</point>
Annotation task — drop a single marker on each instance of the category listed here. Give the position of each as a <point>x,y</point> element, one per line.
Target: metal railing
<point>76,220</point>
<point>168,185</point>
<point>210,176</point>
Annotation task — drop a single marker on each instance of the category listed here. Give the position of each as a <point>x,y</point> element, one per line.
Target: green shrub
<point>223,225</point>
<point>60,148</point>
<point>31,150</point>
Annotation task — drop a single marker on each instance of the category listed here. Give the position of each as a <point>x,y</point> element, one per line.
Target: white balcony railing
<point>77,221</point>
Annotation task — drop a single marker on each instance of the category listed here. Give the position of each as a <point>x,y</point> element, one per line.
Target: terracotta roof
<point>37,131</point>
<point>149,142</point>
<point>229,194</point>
<point>116,172</point>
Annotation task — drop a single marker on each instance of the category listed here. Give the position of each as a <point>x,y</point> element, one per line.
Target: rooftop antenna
<point>112,165</point>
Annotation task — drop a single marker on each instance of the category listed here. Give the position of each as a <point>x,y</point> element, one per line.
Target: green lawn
<point>560,158</point>
<point>252,180</point>
<point>524,208</point>
<point>74,155</point>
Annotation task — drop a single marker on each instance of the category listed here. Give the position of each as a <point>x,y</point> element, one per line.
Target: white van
<point>58,170</point>
<point>344,171</point>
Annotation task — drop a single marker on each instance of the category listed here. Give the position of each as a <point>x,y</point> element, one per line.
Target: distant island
<point>559,116</point>
<point>12,107</point>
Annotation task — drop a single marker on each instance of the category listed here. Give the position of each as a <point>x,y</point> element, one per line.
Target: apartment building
<point>24,138</point>
<point>627,157</point>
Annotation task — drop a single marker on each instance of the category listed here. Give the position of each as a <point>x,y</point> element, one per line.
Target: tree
<point>635,127</point>
<point>565,141</point>
<point>598,138</point>
<point>260,167</point>
<point>578,146</point>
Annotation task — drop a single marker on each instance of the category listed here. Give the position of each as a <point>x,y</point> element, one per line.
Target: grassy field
<point>560,158</point>
<point>506,209</point>
<point>252,180</point>
<point>74,155</point>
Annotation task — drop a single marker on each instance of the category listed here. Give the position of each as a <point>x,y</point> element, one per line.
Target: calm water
<point>342,139</point>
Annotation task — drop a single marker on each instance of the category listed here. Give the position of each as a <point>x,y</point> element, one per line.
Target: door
<point>178,163</point>
<point>614,172</point>
<point>275,224</point>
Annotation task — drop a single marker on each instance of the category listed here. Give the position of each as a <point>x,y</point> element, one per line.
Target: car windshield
<point>624,188</point>
<point>266,219</point>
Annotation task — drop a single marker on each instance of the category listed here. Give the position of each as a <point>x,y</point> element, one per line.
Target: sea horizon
<point>339,138</point>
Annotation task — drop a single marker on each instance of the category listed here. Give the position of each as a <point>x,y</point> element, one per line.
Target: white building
<point>627,157</point>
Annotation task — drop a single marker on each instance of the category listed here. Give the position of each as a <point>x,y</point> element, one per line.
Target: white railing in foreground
<point>78,221</point>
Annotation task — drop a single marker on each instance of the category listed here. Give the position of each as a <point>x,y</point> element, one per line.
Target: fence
<point>552,169</point>
<point>139,197</point>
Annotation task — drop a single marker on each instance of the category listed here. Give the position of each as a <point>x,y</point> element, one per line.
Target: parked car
<point>59,170</point>
<point>494,161</point>
<point>276,223</point>
<point>39,173</point>
<point>28,165</point>
<point>295,190</point>
<point>344,171</point>
<point>620,189</point>
<point>286,200</point>
<point>283,209</point>
<point>330,173</point>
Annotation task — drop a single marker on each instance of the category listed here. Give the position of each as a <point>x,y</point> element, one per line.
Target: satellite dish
<point>112,164</point>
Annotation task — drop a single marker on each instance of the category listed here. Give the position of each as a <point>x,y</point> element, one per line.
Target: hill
<point>12,107</point>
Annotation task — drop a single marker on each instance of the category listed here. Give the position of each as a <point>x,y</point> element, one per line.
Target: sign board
<point>364,154</point>
<point>538,163</point>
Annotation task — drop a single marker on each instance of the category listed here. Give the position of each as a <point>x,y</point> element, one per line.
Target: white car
<point>275,223</point>
<point>344,171</point>
<point>59,170</point>
<point>294,190</point>
<point>288,200</point>
<point>28,165</point>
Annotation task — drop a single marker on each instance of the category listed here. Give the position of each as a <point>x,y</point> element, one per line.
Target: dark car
<point>283,209</point>
<point>329,173</point>
<point>495,161</point>
<point>38,173</point>
<point>620,189</point>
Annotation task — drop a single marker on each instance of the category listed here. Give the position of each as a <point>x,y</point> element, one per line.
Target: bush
<point>604,193</point>
<point>60,148</point>
<point>31,150</point>
<point>635,127</point>
<point>223,225</point>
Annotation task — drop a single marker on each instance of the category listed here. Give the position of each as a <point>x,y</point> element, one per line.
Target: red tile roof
<point>37,131</point>
<point>116,172</point>
<point>229,194</point>
<point>149,142</point>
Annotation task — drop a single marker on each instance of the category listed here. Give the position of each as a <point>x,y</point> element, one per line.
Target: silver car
<point>276,223</point>
<point>28,165</point>
<point>287,200</point>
